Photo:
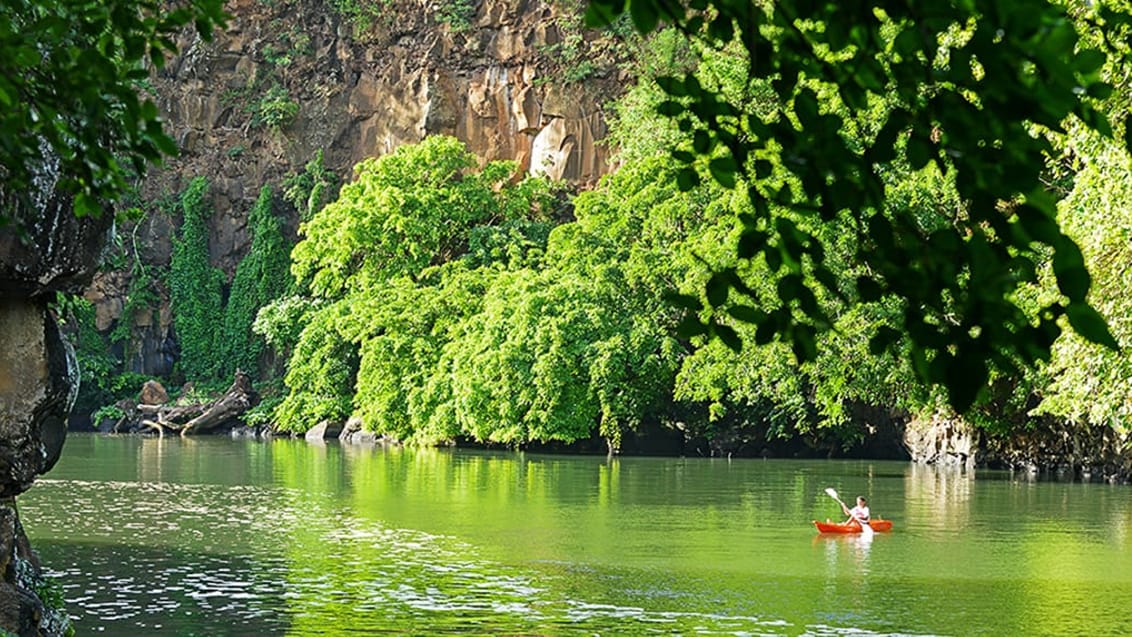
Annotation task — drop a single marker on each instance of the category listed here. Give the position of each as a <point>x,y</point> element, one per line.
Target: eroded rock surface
<point>44,249</point>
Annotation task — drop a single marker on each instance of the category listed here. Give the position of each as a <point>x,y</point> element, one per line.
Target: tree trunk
<point>238,399</point>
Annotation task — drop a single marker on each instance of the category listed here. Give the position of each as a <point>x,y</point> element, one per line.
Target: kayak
<point>852,527</point>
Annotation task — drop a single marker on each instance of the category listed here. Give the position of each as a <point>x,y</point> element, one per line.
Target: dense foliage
<point>69,79</point>
<point>870,193</point>
<point>405,215</point>
<point>195,287</point>
<point>214,329</point>
<point>433,314</point>
<point>532,333</point>
<point>975,89</point>
<point>262,276</point>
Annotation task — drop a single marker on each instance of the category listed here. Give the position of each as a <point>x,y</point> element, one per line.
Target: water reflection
<point>846,552</point>
<point>222,538</point>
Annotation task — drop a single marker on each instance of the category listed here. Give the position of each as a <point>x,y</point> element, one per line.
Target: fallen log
<point>239,398</point>
<point>155,425</point>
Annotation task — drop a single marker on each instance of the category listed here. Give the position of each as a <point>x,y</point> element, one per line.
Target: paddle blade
<point>831,493</point>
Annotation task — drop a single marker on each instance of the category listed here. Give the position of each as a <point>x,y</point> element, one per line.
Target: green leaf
<point>965,375</point>
<point>1128,133</point>
<point>884,338</point>
<point>670,108</point>
<point>690,326</point>
<point>1069,266</point>
<point>1088,60</point>
<point>600,13</point>
<point>644,15</point>
<point>721,28</point>
<point>85,205</point>
<point>750,243</point>
<point>685,301</point>
<point>671,85</point>
<point>804,343</point>
<point>829,281</point>
<point>1100,90</point>
<point>763,169</point>
<point>868,289</point>
<point>765,332</point>
<point>166,144</point>
<point>806,107</point>
<point>1039,225</point>
<point>1090,324</point>
<point>773,258</point>
<point>919,151</point>
<point>747,314</point>
<point>701,142</point>
<point>687,178</point>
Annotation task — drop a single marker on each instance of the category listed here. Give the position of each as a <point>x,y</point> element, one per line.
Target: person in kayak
<point>859,513</point>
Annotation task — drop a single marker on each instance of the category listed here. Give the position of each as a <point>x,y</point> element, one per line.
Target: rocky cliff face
<point>513,79</point>
<point>45,250</point>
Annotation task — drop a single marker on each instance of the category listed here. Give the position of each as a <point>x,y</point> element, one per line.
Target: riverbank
<point>1047,448</point>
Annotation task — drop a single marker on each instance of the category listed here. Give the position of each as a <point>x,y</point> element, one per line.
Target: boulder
<point>324,430</point>
<point>22,612</point>
<point>153,393</point>
<point>44,249</point>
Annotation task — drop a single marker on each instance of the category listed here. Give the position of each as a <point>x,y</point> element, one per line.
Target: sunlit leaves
<point>403,212</point>
<point>956,91</point>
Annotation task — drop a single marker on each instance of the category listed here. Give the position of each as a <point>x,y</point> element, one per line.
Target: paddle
<point>865,528</point>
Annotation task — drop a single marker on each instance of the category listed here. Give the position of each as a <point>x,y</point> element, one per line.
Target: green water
<point>219,537</point>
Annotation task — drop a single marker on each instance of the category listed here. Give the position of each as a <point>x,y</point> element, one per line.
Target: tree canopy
<point>839,95</point>
<point>70,98</point>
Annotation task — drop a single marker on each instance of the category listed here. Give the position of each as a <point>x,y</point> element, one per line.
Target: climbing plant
<point>261,277</point>
<point>195,287</point>
<point>311,188</point>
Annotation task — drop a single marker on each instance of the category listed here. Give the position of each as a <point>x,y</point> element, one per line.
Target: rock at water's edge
<point>23,590</point>
<point>38,383</point>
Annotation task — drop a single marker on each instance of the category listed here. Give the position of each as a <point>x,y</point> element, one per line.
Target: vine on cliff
<point>262,276</point>
<point>195,287</point>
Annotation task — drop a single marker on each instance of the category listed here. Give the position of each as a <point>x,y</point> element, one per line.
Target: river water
<point>219,537</point>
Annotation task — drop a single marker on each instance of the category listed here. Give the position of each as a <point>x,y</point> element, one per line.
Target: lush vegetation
<point>852,91</point>
<point>69,80</point>
<point>195,287</point>
<point>261,277</point>
<point>433,320</point>
<point>880,219</point>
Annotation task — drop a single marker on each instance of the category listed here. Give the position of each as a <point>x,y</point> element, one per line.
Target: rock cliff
<point>45,249</point>
<point>513,79</point>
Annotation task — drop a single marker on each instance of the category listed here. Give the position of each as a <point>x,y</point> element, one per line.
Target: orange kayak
<point>852,527</point>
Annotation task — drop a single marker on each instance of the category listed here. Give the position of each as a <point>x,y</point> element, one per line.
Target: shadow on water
<point>129,589</point>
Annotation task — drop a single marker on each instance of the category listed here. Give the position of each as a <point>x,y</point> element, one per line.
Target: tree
<point>378,261</point>
<point>858,88</point>
<point>70,76</point>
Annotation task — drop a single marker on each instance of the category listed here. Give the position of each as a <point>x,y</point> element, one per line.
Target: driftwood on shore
<point>197,418</point>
